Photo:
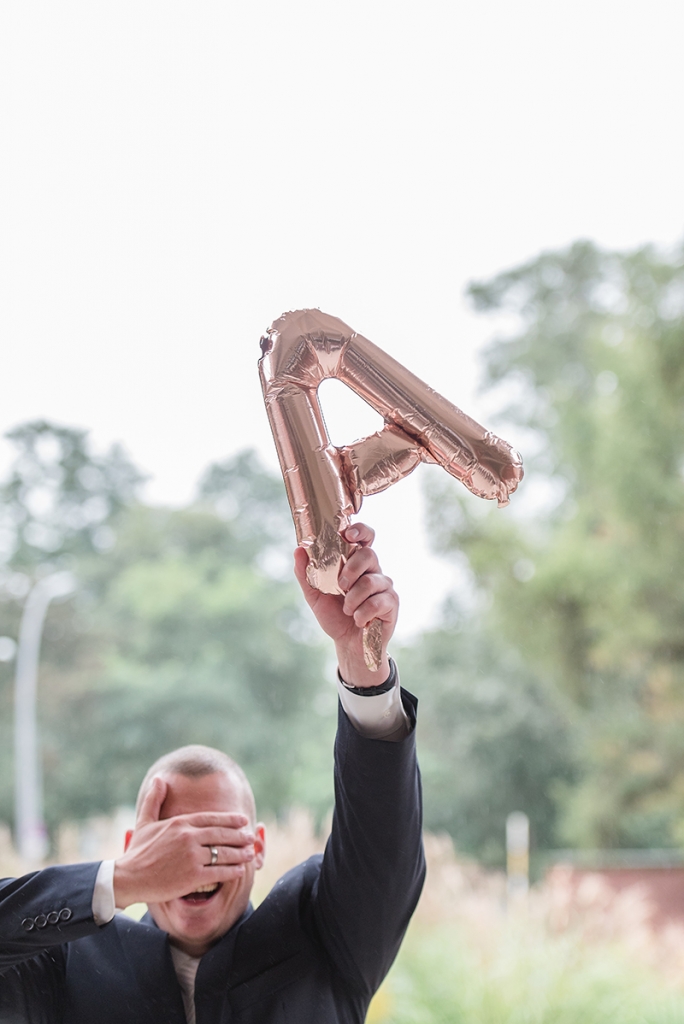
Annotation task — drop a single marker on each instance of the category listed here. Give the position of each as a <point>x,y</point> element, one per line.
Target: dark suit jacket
<point>314,951</point>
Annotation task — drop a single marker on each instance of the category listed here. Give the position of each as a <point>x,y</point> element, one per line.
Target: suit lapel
<point>147,951</point>
<point>212,983</point>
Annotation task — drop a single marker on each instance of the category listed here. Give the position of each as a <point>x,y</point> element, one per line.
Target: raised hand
<point>368,595</point>
<point>170,857</point>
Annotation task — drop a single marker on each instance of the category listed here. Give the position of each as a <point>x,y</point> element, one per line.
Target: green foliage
<point>180,632</point>
<point>492,740</point>
<point>253,501</point>
<point>442,977</point>
<point>60,498</point>
<point>199,650</point>
<point>590,588</point>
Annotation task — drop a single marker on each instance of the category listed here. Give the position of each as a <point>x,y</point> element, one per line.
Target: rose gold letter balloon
<point>325,485</point>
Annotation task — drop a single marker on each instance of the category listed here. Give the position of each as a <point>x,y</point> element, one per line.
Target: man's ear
<point>259,845</point>
<point>127,839</point>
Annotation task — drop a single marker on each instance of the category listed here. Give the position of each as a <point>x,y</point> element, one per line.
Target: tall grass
<point>441,977</point>
<point>561,957</point>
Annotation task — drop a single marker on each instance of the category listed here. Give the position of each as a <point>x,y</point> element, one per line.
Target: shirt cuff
<point>377,718</point>
<point>104,906</point>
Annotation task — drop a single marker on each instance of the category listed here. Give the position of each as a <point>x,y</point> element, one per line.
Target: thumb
<point>152,802</point>
<point>301,560</point>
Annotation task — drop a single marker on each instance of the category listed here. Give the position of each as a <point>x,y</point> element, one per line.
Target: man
<point>318,946</point>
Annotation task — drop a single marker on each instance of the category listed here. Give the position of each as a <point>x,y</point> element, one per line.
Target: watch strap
<point>373,691</point>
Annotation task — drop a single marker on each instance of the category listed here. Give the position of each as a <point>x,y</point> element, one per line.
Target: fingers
<point>359,533</point>
<point>235,845</point>
<point>368,594</point>
<point>371,597</point>
<point>229,855</point>
<point>214,836</point>
<point>152,802</point>
<point>363,560</point>
<point>301,560</point>
<point>216,819</point>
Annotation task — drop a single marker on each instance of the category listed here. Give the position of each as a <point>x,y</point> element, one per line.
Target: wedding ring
<point>213,850</point>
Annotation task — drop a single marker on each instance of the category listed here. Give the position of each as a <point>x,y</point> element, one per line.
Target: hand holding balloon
<point>368,597</point>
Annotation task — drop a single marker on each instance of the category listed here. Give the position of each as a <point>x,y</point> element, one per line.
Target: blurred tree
<point>59,506</point>
<point>492,740</point>
<point>60,498</point>
<point>253,501</point>
<point>590,585</point>
<point>181,631</point>
<point>201,647</point>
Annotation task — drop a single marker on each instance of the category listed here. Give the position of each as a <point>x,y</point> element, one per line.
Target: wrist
<point>124,888</point>
<point>354,671</point>
<point>381,686</point>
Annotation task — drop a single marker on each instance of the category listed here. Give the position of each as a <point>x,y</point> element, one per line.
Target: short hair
<point>194,762</point>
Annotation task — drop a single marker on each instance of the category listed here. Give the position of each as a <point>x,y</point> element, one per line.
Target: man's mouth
<point>203,893</point>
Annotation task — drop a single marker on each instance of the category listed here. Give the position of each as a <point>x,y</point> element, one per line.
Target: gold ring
<point>213,850</point>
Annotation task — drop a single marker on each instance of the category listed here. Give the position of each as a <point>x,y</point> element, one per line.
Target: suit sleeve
<point>43,910</point>
<point>373,868</point>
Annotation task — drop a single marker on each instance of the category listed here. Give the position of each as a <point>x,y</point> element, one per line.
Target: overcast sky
<point>175,175</point>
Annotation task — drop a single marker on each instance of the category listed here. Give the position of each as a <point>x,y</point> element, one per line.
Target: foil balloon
<point>326,484</point>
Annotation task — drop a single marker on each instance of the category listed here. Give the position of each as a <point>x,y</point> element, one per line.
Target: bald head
<point>194,762</point>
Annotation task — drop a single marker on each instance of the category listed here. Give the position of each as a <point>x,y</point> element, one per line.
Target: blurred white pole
<point>31,834</point>
<point>518,853</point>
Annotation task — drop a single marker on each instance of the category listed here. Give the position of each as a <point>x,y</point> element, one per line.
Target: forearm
<point>379,716</point>
<point>353,668</point>
<point>46,908</point>
<point>373,866</point>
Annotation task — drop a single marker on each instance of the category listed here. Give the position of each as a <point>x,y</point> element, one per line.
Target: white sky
<point>175,175</point>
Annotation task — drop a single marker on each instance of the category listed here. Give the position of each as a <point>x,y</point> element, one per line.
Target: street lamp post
<point>31,834</point>
<point>518,854</point>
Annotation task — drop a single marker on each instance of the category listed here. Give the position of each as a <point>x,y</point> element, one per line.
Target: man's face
<point>195,924</point>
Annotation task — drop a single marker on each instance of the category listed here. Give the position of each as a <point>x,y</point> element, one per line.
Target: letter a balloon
<point>326,484</point>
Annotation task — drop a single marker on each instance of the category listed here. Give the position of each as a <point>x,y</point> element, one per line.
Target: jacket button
<point>53,917</point>
<point>64,914</point>
<point>41,921</point>
<point>28,924</point>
